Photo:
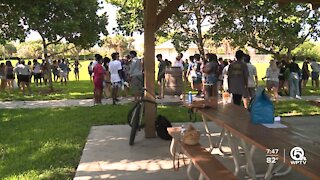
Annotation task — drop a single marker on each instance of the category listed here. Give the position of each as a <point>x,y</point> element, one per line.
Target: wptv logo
<point>297,156</point>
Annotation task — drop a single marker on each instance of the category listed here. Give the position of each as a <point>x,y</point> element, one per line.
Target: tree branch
<point>167,12</point>
<point>55,42</point>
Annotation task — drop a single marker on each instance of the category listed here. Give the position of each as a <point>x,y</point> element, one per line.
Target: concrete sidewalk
<point>89,102</point>
<point>74,102</point>
<point>107,154</point>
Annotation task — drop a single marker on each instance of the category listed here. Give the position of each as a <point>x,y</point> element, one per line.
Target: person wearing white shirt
<point>37,72</point>
<point>179,62</point>
<point>135,73</point>
<point>24,72</point>
<point>114,68</point>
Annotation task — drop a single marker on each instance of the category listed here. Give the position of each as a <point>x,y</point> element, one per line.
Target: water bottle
<point>182,129</point>
<point>190,97</point>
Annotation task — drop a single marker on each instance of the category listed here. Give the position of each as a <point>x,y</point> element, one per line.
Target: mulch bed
<point>315,103</point>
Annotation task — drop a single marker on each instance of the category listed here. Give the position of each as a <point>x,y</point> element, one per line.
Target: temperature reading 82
<point>272,160</point>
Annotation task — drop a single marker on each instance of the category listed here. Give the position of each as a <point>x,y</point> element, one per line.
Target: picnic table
<point>277,143</point>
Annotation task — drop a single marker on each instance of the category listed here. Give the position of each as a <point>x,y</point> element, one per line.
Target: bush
<point>307,50</point>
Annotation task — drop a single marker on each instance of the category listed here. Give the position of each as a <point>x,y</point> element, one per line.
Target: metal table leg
<point>201,177</point>
<point>173,147</point>
<point>208,133</point>
<point>249,154</point>
<point>272,173</point>
<point>189,170</point>
<point>235,153</point>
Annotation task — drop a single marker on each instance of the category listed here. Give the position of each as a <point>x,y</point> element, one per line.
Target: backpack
<point>261,108</point>
<point>162,123</point>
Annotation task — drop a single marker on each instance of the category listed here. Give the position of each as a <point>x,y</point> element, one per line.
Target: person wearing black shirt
<point>161,73</point>
<point>294,79</point>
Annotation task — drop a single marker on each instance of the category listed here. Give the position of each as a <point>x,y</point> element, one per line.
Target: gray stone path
<point>72,102</point>
<point>89,102</point>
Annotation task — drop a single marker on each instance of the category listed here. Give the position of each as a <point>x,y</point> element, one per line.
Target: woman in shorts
<point>76,65</point>
<point>9,75</point>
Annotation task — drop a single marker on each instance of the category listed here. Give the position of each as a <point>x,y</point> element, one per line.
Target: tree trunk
<point>48,66</point>
<point>199,43</point>
<point>289,56</point>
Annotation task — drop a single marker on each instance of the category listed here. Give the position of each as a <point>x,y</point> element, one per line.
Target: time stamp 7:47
<point>272,156</point>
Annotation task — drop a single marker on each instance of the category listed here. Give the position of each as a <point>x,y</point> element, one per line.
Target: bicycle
<point>136,115</point>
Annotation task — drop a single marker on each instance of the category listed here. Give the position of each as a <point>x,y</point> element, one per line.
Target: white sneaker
<point>298,97</point>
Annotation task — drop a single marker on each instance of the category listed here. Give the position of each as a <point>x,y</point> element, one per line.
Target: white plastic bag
<point>15,85</point>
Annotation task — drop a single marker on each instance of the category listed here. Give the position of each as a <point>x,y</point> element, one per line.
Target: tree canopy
<point>75,21</point>
<point>261,24</point>
<point>266,26</point>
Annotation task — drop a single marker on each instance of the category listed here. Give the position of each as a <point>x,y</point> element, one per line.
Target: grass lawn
<point>296,108</point>
<point>47,143</point>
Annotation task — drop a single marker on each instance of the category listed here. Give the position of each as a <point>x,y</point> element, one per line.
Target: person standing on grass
<point>305,73</point>
<point>63,72</point>
<point>45,73</point>
<point>3,82</point>
<point>18,75</point>
<point>238,78</point>
<point>190,71</point>
<point>125,75</point>
<point>90,70</point>
<point>76,66</point>
<point>197,75</point>
<point>107,82</point>
<point>37,72</point>
<point>98,80</point>
<point>315,73</point>
<point>294,79</point>
<point>272,76</point>
<point>24,71</point>
<point>211,74</point>
<point>9,75</point>
<point>252,81</point>
<point>115,68</point>
<point>136,76</point>
<point>29,65</point>
<point>225,75</point>
<point>55,70</point>
<point>161,75</point>
<point>283,78</point>
<point>220,77</point>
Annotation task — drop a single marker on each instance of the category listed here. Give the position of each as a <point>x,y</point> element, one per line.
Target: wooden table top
<point>236,119</point>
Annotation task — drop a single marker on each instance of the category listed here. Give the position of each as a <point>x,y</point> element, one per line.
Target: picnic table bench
<point>208,166</point>
<point>241,132</point>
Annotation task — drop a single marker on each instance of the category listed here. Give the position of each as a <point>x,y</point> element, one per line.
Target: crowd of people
<point>211,75</point>
<point>111,75</point>
<point>207,75</point>
<point>39,72</point>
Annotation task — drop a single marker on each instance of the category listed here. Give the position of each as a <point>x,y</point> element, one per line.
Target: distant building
<point>169,52</point>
